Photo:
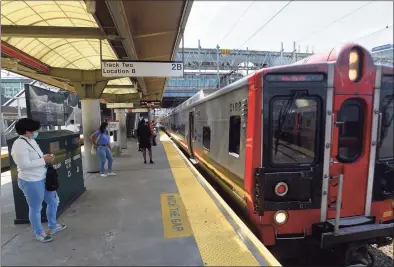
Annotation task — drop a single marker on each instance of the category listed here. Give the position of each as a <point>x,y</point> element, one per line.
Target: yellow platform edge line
<point>264,252</point>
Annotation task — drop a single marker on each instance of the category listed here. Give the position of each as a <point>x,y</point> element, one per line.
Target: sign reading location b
<point>112,68</point>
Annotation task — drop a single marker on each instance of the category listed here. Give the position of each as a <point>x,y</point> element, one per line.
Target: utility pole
<point>294,51</point>
<point>247,61</point>
<point>217,62</point>
<point>281,53</point>
<point>199,57</point>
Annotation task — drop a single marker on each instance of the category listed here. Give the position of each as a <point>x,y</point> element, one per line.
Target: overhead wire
<point>334,22</point>
<point>369,34</point>
<point>262,27</point>
<point>265,24</point>
<point>236,23</point>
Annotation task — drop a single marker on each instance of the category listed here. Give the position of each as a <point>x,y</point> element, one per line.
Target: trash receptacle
<point>65,145</point>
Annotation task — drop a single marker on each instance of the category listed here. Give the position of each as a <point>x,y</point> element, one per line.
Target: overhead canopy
<point>62,34</point>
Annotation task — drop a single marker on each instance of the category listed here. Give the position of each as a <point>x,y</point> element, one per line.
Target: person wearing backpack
<point>32,172</point>
<point>101,142</point>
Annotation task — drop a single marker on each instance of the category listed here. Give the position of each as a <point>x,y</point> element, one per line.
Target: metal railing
<point>338,204</point>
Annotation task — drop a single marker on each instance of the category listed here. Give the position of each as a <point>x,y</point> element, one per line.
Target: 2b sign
<point>177,66</point>
<point>113,126</point>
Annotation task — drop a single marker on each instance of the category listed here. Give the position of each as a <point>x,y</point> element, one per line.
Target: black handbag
<point>51,179</point>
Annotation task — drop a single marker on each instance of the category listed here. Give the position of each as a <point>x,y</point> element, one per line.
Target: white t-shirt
<point>31,167</point>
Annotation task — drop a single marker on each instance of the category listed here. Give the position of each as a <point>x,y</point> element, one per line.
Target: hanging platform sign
<point>150,104</point>
<point>138,110</point>
<point>113,125</point>
<point>119,68</point>
<point>120,105</point>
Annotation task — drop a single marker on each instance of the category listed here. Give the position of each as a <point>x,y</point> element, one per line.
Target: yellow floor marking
<point>175,220</point>
<point>216,239</point>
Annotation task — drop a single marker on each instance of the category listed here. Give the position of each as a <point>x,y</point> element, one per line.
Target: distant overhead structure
<point>235,60</point>
<point>383,54</point>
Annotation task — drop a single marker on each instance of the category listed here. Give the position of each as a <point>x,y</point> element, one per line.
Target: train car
<point>306,149</point>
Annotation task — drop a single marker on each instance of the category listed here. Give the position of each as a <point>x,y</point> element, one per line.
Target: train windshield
<point>293,130</point>
<point>387,129</point>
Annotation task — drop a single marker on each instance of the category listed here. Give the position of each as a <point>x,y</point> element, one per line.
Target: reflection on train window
<point>235,135</point>
<point>293,130</point>
<point>206,137</point>
<point>386,143</point>
<point>351,125</point>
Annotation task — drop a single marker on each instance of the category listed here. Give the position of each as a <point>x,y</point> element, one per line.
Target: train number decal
<point>236,106</point>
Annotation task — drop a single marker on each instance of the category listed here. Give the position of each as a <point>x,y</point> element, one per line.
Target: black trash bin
<point>66,147</point>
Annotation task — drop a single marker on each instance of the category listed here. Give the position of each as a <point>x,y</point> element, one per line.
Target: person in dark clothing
<point>140,124</point>
<point>144,136</point>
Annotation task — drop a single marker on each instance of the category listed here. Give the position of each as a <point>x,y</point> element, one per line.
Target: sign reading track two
<point>141,68</point>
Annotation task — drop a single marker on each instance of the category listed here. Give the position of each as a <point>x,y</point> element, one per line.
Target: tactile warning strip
<point>217,241</point>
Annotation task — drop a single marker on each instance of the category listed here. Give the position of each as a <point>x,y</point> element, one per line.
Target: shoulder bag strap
<point>97,139</point>
<point>46,164</point>
<point>30,146</point>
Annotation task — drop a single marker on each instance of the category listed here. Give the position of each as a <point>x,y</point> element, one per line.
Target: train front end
<point>326,171</point>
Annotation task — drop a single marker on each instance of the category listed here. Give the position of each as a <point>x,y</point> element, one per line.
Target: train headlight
<point>280,217</point>
<point>281,189</point>
<point>354,64</point>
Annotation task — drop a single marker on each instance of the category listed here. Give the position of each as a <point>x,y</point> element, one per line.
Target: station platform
<point>162,214</point>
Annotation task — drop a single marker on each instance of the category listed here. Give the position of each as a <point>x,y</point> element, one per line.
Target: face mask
<point>34,136</point>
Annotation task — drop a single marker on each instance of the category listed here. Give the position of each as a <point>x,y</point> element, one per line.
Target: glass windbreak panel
<point>386,144</point>
<point>293,127</point>
<point>351,124</point>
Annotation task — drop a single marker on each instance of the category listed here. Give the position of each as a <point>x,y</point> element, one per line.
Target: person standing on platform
<point>154,132</point>
<point>101,140</point>
<point>140,123</point>
<point>72,127</point>
<point>31,164</point>
<point>144,135</point>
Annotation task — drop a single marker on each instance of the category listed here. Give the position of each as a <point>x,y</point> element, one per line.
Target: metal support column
<point>91,119</point>
<point>121,117</point>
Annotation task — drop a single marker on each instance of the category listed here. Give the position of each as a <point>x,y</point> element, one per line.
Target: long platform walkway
<point>159,214</point>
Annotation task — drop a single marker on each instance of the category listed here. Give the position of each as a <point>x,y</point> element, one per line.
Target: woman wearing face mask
<point>31,164</point>
<point>101,139</point>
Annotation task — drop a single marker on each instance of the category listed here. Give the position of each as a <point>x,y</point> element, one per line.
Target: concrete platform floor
<point>117,221</point>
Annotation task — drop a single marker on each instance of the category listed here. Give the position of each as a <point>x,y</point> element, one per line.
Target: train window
<point>350,143</point>
<point>234,135</point>
<point>206,137</point>
<point>295,142</point>
<point>386,143</point>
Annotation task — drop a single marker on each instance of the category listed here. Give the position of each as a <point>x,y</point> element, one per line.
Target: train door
<point>293,130</point>
<point>191,134</point>
<point>350,153</point>
<point>383,187</point>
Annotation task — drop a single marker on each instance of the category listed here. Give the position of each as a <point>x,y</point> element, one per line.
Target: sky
<point>318,25</point>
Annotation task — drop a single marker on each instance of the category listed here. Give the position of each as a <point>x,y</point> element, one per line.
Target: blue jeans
<point>104,153</point>
<point>35,193</point>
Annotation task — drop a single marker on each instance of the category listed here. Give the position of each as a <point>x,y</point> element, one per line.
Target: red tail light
<point>281,189</point>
